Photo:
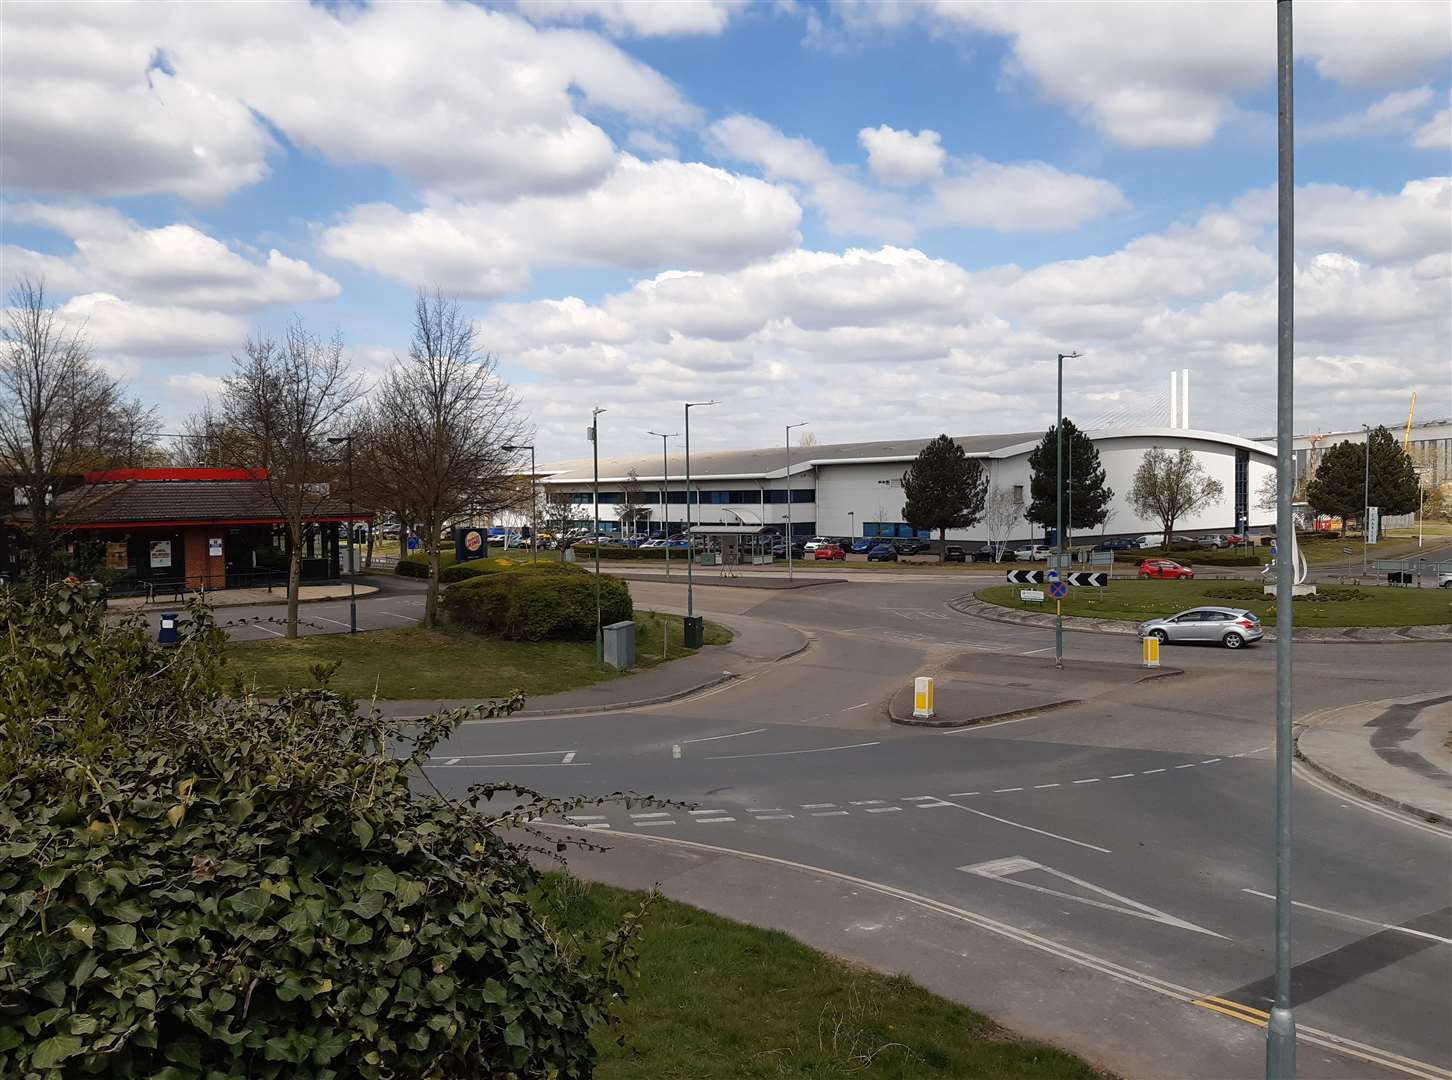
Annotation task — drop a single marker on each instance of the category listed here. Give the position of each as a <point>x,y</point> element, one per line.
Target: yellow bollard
<point>1151,646</point>
<point>922,698</point>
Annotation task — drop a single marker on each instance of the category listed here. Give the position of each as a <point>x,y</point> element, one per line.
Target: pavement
<point>1397,751</point>
<point>221,598</point>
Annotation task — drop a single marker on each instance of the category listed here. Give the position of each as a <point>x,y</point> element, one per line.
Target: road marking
<point>830,813</point>
<point>1151,772</point>
<point>1187,765</point>
<point>1004,870</point>
<point>885,810</point>
<point>772,817</point>
<point>522,753</point>
<point>513,765</point>
<point>324,618</point>
<point>785,753</point>
<point>651,815</point>
<point>866,802</point>
<point>1210,761</point>
<point>960,794</point>
<point>734,734</point>
<point>1091,780</point>
<point>568,758</point>
<point>1030,828</point>
<point>930,805</point>
<point>1038,787</point>
<point>396,615</point>
<point>1356,918</point>
<point>712,820</point>
<point>1121,776</point>
<point>268,629</point>
<point>597,825</point>
<point>765,809</point>
<point>584,817</point>
<point>1321,784</point>
<point>984,727</point>
<point>676,750</point>
<point>704,813</point>
<point>917,798</point>
<point>1153,984</point>
<point>651,824</point>
<point>452,761</point>
<point>859,705</point>
<point>816,805</point>
<point>1003,790</point>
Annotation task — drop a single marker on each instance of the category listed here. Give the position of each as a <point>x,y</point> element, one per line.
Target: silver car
<point>1231,627</point>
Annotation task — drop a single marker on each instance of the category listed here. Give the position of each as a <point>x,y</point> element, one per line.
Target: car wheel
<point>1160,636</point>
<point>1234,640</point>
<point>1143,576</point>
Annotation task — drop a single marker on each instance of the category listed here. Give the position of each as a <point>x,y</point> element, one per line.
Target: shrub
<point>586,553</point>
<point>536,605</point>
<point>235,888</point>
<point>1248,595</point>
<point>480,567</point>
<point>417,564</point>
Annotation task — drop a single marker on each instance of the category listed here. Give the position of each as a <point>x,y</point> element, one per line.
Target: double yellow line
<point>1226,1007</point>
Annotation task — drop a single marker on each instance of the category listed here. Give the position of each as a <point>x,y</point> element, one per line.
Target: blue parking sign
<point>1058,590</point>
<point>413,543</point>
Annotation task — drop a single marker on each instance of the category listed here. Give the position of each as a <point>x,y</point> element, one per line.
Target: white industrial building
<point>855,489</point>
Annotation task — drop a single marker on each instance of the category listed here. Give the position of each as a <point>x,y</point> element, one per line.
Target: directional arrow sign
<point>1025,577</point>
<point>1009,869</point>
<point>1088,578</point>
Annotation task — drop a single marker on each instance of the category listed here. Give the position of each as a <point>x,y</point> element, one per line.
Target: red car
<point>830,551</point>
<point>1165,568</point>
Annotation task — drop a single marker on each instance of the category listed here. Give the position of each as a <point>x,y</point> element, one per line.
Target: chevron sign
<point>1089,579</point>
<point>1025,577</point>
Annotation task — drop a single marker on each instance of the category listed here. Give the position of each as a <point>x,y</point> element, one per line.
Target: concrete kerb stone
<point>973,721</point>
<point>969,604</point>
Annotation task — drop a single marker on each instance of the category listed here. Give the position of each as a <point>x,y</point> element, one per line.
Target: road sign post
<point>1150,650</point>
<point>923,698</point>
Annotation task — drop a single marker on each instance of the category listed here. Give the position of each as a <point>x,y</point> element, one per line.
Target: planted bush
<point>196,886</point>
<point>537,604</point>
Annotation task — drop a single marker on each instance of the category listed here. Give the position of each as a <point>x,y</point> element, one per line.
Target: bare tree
<point>60,415</point>
<point>558,509</point>
<point>438,420</point>
<point>278,408</point>
<point>1002,513</point>
<point>1267,496</point>
<point>1168,487</point>
<point>806,438</point>
<point>630,509</point>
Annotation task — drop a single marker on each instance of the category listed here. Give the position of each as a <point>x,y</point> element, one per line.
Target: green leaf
<point>127,911</point>
<point>54,1050</point>
<point>368,905</point>
<point>514,1035</point>
<point>120,936</point>
<point>380,878</point>
<point>83,930</point>
<point>249,904</point>
<point>363,831</point>
<point>240,811</point>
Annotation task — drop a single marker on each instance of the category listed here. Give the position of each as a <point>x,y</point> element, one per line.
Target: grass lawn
<point>449,662</point>
<point>1138,600</point>
<point>718,1000</point>
<point>1401,545</point>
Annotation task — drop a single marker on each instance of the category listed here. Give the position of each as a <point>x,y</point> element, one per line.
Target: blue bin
<point>167,634</point>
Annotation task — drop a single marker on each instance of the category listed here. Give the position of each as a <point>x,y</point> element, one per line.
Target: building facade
<point>855,489</point>
<point>1428,442</point>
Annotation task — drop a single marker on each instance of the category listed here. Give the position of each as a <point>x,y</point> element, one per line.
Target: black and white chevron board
<point>1025,577</point>
<point>1089,579</point>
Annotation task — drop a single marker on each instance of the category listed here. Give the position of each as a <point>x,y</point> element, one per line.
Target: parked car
<point>1231,627</point>
<point>863,545</point>
<point>815,542</point>
<point>882,553</point>
<point>1215,540</point>
<point>829,551</point>
<point>985,554</point>
<point>912,547</point>
<point>1444,581</point>
<point>955,553</point>
<point>1119,544</point>
<point>1033,553</point>
<point>1147,540</point>
<point>1165,568</point>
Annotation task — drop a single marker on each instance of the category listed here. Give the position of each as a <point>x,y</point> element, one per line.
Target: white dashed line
<point>712,820</point>
<point>1038,787</point>
<point>734,734</point>
<point>830,813</point>
<point>704,813</point>
<point>765,809</point>
<point>568,758</point>
<point>1151,772</point>
<point>1003,790</point>
<point>640,817</point>
<point>584,817</point>
<point>396,615</point>
<point>816,805</point>
<point>885,810</point>
<point>866,802</point>
<point>1210,761</point>
<point>917,798</point>
<point>1091,780</point>
<point>772,817</point>
<point>930,805</point>
<point>676,750</point>
<point>651,824</point>
<point>960,794</point>
<point>1121,776</point>
<point>1187,765</point>
<point>452,761</point>
<point>597,825</point>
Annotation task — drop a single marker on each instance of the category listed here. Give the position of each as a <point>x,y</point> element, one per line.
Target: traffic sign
<point>1053,575</point>
<point>1058,590</point>
<point>1094,579</point>
<point>413,543</point>
<point>1025,577</point>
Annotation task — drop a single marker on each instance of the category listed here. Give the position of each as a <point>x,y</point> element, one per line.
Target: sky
<point>885,219</point>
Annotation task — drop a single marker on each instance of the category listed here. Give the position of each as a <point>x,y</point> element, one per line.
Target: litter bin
<point>620,645</point>
<point>167,634</point>
<point>695,632</point>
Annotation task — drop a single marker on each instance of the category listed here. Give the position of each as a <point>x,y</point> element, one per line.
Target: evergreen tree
<point>1086,495</point>
<point>1340,484</point>
<point>945,488</point>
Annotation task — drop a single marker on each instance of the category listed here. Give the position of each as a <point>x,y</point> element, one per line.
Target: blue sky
<point>884,218</point>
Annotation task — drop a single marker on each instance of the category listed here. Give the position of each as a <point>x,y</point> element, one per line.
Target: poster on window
<point>160,554</point>
<point>214,546</point>
<point>116,556</point>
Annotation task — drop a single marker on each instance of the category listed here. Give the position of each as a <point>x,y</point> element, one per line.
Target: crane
<point>1411,411</point>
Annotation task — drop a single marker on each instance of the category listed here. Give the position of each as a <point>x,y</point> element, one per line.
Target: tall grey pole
<point>1059,508</point>
<point>790,536</point>
<point>1365,494</point>
<point>1280,1044</point>
<point>352,552</point>
<point>665,487</point>
<point>690,540</point>
<point>599,618</point>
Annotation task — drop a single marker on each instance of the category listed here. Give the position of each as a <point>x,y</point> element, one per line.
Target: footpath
<point>1397,752</point>
<point>220,598</point>
<point>755,644</point>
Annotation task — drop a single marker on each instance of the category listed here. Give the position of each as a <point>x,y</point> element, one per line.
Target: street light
<point>665,483</point>
<point>1059,510</point>
<point>1365,495</point>
<point>533,502</point>
<point>352,565</point>
<point>690,540</point>
<point>595,450</point>
<point>790,537</point>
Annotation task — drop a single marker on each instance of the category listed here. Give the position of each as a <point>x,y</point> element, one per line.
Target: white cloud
<point>1386,116</point>
<point>651,18</point>
<point>1415,222</point>
<point>651,144</point>
<point>176,264</point>
<point>643,215</point>
<point>1169,74</point>
<point>900,157</point>
<point>1026,197</point>
<point>1436,133</point>
<point>195,387</point>
<point>117,327</point>
<point>454,96</point>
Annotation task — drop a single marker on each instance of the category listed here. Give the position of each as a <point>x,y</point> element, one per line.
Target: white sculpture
<point>1298,568</point>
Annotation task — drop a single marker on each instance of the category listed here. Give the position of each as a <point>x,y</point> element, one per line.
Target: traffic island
<point>981,688</point>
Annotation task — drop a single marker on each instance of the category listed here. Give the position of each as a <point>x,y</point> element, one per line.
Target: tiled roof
<point>181,500</point>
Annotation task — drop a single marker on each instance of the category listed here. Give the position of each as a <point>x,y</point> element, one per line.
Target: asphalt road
<point>1097,875</point>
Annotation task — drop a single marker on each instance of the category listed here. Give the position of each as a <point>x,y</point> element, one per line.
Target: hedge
<point>586,553</point>
<point>538,604</point>
<point>418,565</point>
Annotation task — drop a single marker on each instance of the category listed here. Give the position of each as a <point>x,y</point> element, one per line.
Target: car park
<point>1033,553</point>
<point>912,547</point>
<point>1231,627</point>
<point>1165,568</point>
<point>882,553</point>
<point>1444,581</point>
<point>1214,540</point>
<point>954,553</point>
<point>815,542</point>
<point>1119,544</point>
<point>828,551</point>
<point>863,545</point>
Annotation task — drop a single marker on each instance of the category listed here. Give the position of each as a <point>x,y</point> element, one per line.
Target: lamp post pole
<point>1365,494</point>
<point>595,449</point>
<point>665,486</point>
<point>1280,1033</point>
<point>1059,509</point>
<point>533,503</point>
<point>352,566</point>
<point>790,535</point>
<point>690,540</point>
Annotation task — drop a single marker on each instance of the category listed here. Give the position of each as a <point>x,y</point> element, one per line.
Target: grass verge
<point>450,662</point>
<point>719,1000</point>
<point>1338,605</point>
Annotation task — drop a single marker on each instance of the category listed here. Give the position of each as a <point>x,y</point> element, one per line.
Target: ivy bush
<point>194,885</point>
<point>537,605</point>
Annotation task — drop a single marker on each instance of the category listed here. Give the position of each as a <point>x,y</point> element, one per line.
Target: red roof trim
<point>360,515</point>
<point>116,476</point>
